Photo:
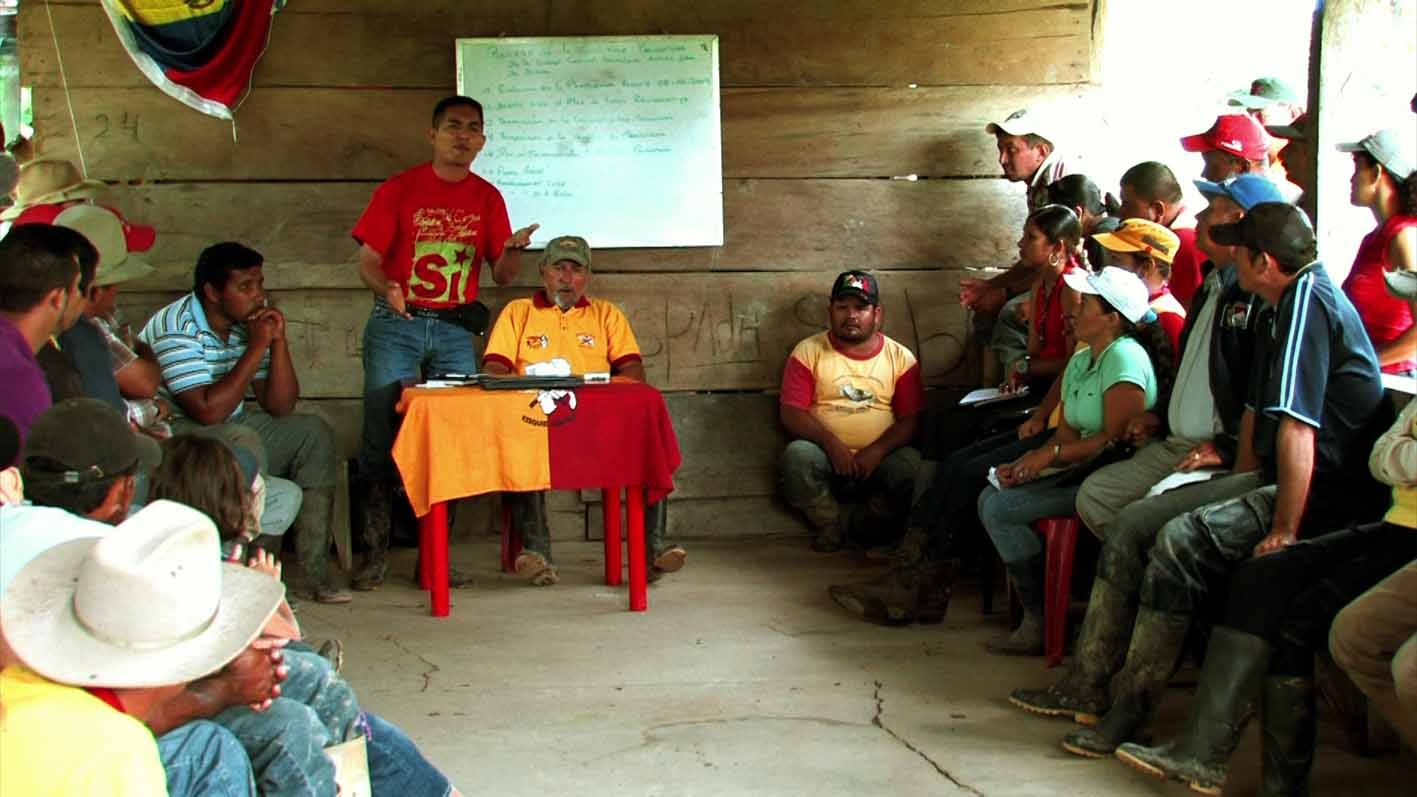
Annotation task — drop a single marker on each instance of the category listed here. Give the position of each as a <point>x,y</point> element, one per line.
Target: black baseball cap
<point>858,284</point>
<point>1275,228</point>
<point>85,440</point>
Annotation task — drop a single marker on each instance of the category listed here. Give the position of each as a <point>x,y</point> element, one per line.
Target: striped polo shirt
<point>190,354</point>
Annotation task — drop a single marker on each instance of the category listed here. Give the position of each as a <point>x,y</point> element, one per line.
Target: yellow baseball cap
<point>1140,235</point>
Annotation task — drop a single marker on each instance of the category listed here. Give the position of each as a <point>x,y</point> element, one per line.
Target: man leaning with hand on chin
<point>219,343</point>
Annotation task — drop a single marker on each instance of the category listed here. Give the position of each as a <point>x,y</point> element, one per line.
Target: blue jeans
<point>286,742</point>
<point>1008,516</point>
<point>283,500</point>
<point>396,352</point>
<point>202,758</point>
<point>396,766</point>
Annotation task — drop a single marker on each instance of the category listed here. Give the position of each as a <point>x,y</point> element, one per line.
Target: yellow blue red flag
<point>200,52</point>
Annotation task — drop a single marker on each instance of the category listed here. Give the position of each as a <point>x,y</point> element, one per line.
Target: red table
<point>459,442</point>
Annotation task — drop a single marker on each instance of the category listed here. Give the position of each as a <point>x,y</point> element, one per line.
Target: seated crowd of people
<point>1212,409</point>
<point>1205,399</point>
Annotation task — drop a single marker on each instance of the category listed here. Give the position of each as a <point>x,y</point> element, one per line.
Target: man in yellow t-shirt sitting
<point>561,330</point>
<point>112,640</point>
<point>852,398</point>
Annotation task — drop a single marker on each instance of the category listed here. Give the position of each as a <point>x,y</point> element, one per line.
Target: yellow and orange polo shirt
<point>593,336</point>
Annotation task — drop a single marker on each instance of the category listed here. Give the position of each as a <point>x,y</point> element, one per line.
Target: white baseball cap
<point>1121,288</point>
<point>1044,121</point>
<point>1392,148</point>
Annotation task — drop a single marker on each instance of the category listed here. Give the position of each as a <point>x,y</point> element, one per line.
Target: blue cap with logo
<point>1246,190</point>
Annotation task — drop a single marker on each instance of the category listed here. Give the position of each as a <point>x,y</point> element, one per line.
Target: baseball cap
<point>1297,129</point>
<point>858,284</point>
<point>1245,190</point>
<point>1276,228</point>
<point>1390,148</point>
<point>1235,133</point>
<point>1264,92</point>
<point>1037,121</point>
<point>84,440</point>
<point>112,237</point>
<point>567,247</point>
<point>1140,235</point>
<point>1121,288</point>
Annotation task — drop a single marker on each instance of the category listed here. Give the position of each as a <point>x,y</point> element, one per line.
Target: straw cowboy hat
<point>150,604</point>
<point>46,181</point>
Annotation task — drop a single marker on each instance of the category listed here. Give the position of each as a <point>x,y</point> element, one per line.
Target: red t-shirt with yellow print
<point>434,235</point>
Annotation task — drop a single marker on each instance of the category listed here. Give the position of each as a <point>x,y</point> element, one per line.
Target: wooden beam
<point>886,43</point>
<point>772,225</point>
<point>696,331</point>
<point>367,134</point>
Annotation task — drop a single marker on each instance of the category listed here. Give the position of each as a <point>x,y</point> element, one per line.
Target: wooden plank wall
<point>824,101</point>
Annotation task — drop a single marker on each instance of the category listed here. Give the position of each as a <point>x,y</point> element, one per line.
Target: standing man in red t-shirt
<point>423,240</point>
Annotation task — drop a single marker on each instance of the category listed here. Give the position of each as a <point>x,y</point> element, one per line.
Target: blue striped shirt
<point>190,354</point>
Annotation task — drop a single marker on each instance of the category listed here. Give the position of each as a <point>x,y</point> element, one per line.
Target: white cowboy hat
<point>151,604</point>
<point>50,181</point>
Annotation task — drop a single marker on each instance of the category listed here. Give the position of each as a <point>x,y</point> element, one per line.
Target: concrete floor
<point>743,678</point>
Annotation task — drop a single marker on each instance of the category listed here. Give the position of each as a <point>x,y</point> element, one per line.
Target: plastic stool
<point>1060,536</point>
<point>511,542</point>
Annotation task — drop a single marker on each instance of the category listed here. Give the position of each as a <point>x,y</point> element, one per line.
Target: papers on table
<point>448,383</point>
<point>990,395</point>
<point>1183,478</point>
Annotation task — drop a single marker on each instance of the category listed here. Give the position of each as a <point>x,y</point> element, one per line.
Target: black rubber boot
<point>1156,645</point>
<point>1102,644</point>
<point>1027,639</point>
<point>377,503</point>
<point>1288,734</point>
<point>1235,665</point>
<point>312,545</point>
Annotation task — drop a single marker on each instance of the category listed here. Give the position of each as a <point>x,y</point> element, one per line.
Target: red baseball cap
<point>138,237</point>
<point>1235,133</point>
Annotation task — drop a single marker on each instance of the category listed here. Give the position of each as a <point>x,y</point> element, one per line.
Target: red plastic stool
<point>1060,536</point>
<point>511,542</point>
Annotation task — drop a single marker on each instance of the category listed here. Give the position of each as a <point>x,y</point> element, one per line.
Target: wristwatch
<point>1057,455</point>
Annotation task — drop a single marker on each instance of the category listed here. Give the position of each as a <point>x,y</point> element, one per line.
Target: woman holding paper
<point>1105,386</point>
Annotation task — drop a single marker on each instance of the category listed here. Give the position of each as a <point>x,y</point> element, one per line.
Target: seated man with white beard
<point>561,330</point>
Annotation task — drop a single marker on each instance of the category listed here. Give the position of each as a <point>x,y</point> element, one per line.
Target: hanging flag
<point>201,54</point>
